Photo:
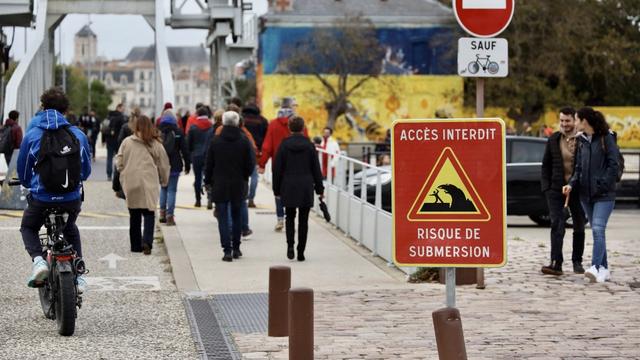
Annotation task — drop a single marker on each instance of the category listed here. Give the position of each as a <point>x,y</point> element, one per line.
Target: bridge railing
<point>33,74</point>
<point>358,197</point>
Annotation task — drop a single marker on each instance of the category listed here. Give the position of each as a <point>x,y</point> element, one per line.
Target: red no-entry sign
<point>449,193</point>
<point>484,18</point>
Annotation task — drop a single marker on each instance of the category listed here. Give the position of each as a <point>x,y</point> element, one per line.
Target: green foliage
<point>77,90</point>
<point>567,52</point>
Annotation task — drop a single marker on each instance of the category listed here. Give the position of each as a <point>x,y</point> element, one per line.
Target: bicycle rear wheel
<point>45,300</point>
<point>66,304</point>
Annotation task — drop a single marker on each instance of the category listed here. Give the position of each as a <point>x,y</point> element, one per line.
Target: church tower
<point>86,43</point>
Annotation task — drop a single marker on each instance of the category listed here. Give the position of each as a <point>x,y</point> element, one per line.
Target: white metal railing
<point>34,72</point>
<point>361,217</point>
<point>164,80</point>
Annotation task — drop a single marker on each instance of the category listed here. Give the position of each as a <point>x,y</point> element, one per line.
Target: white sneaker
<point>603,275</point>
<point>39,271</point>
<point>279,225</point>
<point>592,274</point>
<point>81,283</point>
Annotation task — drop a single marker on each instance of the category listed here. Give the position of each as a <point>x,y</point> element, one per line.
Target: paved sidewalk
<point>364,310</point>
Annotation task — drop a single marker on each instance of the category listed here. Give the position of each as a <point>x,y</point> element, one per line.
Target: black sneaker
<point>198,204</point>
<point>554,268</point>
<point>209,205</point>
<point>301,256</point>
<point>290,253</point>
<point>227,257</point>
<point>577,267</point>
<point>237,254</point>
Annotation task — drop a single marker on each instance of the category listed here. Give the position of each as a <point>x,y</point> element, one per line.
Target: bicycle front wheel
<point>473,67</point>
<point>66,304</point>
<point>493,68</point>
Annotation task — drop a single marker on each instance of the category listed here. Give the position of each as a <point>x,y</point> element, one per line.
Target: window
<point>527,151</point>
<point>123,79</point>
<point>141,87</point>
<point>142,102</point>
<point>141,75</point>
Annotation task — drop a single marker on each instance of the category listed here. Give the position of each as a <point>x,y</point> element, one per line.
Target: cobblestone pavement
<point>520,315</point>
<point>131,312</point>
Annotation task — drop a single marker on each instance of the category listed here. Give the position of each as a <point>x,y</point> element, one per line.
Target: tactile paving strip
<point>243,313</point>
<point>212,340</point>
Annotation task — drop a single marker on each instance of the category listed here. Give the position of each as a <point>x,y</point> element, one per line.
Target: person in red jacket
<point>16,133</point>
<point>277,131</point>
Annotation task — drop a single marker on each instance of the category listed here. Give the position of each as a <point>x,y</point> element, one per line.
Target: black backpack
<point>169,141</point>
<point>6,139</point>
<point>620,157</point>
<point>59,163</point>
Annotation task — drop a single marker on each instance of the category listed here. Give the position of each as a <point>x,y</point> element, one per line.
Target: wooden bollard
<point>279,284</point>
<point>449,337</point>
<point>301,324</point>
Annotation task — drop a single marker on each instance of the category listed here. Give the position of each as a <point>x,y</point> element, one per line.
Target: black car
<point>524,197</point>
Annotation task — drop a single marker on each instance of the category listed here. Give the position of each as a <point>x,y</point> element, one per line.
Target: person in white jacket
<point>331,146</point>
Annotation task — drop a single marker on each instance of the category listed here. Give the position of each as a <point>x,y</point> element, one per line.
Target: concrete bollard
<point>449,337</point>
<point>279,284</point>
<point>301,324</point>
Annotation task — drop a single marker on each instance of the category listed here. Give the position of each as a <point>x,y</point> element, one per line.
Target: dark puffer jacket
<point>296,172</point>
<point>596,168</point>
<point>230,162</point>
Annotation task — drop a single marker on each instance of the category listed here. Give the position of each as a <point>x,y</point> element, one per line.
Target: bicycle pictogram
<point>483,63</point>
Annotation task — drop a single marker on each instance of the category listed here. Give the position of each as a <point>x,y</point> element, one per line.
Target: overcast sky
<point>116,34</point>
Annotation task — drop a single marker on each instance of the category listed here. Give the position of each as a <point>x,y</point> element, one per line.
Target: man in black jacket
<point>110,135</point>
<point>557,168</point>
<point>257,126</point>
<point>230,162</point>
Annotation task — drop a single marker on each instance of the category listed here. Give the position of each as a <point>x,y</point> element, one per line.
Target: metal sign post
<point>451,287</point>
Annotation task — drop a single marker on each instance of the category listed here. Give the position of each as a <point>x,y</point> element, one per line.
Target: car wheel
<point>541,220</point>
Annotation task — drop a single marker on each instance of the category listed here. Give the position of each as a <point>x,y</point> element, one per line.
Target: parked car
<point>524,162</point>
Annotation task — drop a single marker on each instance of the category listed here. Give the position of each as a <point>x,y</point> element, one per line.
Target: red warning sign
<point>449,192</point>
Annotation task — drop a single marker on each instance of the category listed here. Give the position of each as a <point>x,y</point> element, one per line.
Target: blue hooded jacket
<point>49,120</point>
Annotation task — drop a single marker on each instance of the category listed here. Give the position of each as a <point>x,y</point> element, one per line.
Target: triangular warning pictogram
<point>448,194</point>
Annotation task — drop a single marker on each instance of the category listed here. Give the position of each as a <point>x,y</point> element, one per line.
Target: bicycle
<point>58,293</point>
<point>487,65</point>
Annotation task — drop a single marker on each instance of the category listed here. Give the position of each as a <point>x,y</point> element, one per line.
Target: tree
<point>78,93</point>
<point>334,55</point>
<point>567,52</point>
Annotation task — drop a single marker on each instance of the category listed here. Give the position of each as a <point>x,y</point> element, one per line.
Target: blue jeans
<point>229,213</point>
<point>111,152</point>
<point>253,184</point>
<point>168,195</point>
<point>279,209</point>
<point>598,214</point>
<point>244,214</point>
<point>198,172</point>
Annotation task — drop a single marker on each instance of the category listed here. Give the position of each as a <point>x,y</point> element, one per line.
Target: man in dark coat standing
<point>257,126</point>
<point>115,121</point>
<point>230,162</point>
<point>557,168</point>
<point>296,173</point>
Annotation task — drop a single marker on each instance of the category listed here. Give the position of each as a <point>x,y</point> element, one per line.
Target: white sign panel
<point>483,57</point>
<point>484,4</point>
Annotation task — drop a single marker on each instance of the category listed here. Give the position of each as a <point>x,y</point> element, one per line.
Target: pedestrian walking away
<point>246,230</point>
<point>557,167</point>
<point>144,167</point>
<point>277,131</point>
<point>257,126</point>
<point>595,176</point>
<point>175,144</point>
<point>10,136</point>
<point>199,138</point>
<point>296,174</point>
<point>110,130</point>
<point>53,147</point>
<point>230,162</point>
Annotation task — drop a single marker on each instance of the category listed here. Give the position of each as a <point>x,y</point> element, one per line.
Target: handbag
<point>325,210</point>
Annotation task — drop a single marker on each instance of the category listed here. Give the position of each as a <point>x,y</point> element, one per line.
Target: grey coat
<point>596,168</point>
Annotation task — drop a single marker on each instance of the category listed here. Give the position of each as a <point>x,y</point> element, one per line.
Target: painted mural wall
<point>373,108</point>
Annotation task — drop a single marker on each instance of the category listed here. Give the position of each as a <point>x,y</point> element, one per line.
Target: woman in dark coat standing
<point>296,173</point>
<point>594,175</point>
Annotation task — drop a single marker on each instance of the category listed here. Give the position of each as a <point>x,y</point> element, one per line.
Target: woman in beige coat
<point>144,167</point>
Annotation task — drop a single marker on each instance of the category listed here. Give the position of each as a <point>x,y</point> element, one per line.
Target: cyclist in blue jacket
<point>54,104</point>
